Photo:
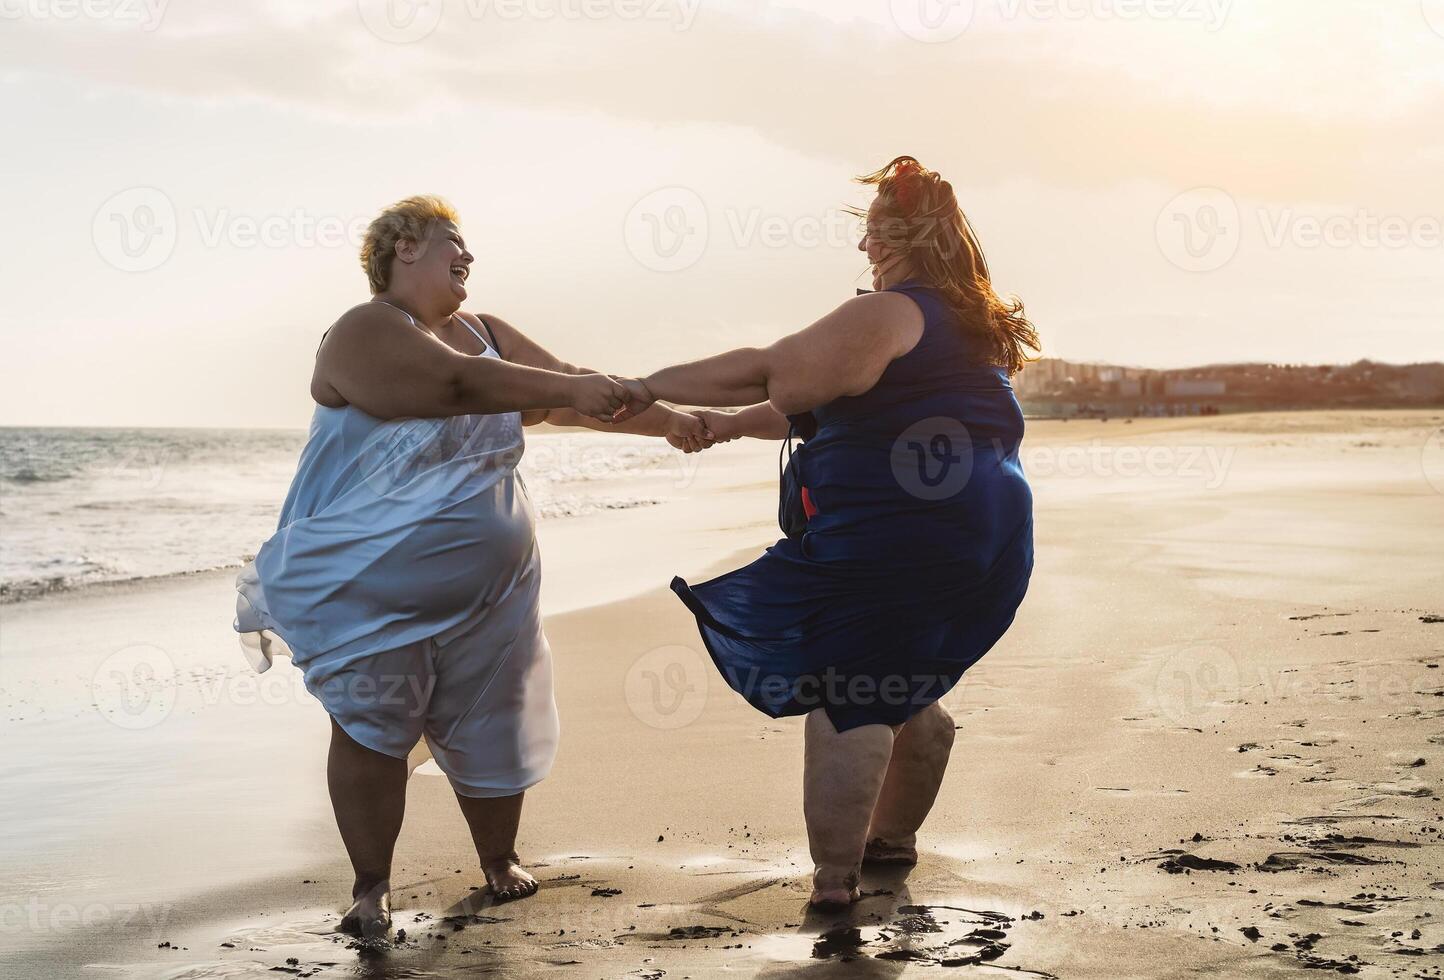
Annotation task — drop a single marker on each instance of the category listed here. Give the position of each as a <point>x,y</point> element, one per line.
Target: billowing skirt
<point>873,613</point>
<point>404,582</point>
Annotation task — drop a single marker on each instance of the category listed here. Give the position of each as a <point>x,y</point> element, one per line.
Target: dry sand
<point>1209,745</point>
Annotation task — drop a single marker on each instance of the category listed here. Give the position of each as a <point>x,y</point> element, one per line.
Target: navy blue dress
<point>917,549</point>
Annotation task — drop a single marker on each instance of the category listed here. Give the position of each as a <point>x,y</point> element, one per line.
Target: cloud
<point>1064,102</point>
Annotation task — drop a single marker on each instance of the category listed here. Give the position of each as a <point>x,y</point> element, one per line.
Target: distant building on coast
<point>1195,388</point>
<point>1053,386</point>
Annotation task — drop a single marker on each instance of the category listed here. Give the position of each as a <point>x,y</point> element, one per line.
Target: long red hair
<point>918,217</point>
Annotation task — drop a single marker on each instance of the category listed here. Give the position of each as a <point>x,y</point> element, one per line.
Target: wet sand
<point>1209,745</point>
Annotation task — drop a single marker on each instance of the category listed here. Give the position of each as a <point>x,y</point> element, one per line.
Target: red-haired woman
<point>914,533</point>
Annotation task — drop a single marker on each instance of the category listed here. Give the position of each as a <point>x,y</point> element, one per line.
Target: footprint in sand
<point>292,933</point>
<point>1317,769</point>
<point>1333,818</point>
<point>1408,788</point>
<point>1176,861</point>
<point>1310,861</point>
<point>1340,842</point>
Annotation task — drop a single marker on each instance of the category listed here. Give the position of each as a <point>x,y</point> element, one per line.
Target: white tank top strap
<point>397,309</point>
<point>474,332</point>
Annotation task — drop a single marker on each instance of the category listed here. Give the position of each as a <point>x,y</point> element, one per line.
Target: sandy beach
<point>1210,745</point>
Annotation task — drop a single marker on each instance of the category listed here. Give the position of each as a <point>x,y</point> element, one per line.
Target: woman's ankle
<point>881,839</point>
<point>505,857</point>
<point>370,884</point>
<point>836,877</point>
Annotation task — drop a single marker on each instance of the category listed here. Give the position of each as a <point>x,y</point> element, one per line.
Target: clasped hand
<point>690,432</point>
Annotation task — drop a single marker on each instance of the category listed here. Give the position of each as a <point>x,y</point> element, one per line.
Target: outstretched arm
<point>376,360</point>
<point>844,353</point>
<point>758,422</point>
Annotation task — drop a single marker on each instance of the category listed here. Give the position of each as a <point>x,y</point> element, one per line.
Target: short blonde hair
<point>408,219</point>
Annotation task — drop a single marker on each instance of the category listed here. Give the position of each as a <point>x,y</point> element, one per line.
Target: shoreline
<point>1197,745</point>
<point>1048,442</point>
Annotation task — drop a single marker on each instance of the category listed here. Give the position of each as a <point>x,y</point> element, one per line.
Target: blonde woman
<point>910,521</point>
<point>403,577</point>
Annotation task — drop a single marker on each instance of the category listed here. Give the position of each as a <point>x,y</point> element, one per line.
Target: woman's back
<point>923,466</point>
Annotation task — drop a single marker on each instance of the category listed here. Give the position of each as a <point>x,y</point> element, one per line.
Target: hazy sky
<point>1164,182</point>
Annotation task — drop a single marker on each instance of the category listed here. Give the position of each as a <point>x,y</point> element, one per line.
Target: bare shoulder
<point>362,321</point>
<point>364,328</point>
<point>886,308</point>
<point>355,334</point>
<point>889,323</point>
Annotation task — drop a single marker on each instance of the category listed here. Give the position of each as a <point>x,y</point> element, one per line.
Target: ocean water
<point>84,506</point>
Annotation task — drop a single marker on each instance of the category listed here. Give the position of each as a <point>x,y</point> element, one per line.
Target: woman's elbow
<point>789,400</point>
<point>455,396</point>
<point>788,388</point>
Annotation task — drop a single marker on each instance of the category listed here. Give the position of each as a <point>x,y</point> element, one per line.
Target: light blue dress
<point>404,581</point>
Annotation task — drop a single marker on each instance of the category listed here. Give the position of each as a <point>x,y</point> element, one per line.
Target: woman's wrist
<point>720,422</point>
<point>569,390</point>
<point>649,385</point>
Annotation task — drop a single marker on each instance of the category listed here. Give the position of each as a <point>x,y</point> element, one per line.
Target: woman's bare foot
<point>879,851</point>
<point>832,892</point>
<point>508,880</point>
<point>369,916</point>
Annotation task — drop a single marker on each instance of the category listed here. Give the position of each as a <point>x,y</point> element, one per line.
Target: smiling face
<point>880,242</point>
<point>438,265</point>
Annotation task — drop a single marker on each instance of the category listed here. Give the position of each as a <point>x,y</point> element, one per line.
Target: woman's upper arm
<point>389,368</point>
<point>844,353</point>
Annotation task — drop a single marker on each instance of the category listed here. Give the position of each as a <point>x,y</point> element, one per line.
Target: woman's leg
<point>919,758</point>
<point>842,775</point>
<point>368,793</point>
<point>493,821</point>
